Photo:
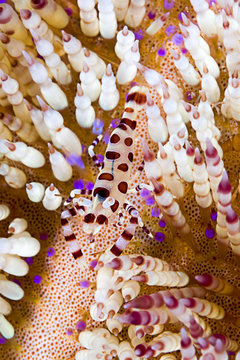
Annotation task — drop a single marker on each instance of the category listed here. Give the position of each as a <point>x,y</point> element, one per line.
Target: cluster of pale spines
<point>164,198</point>
<point>225,25</point>
<point>56,66</point>
<point>44,38</point>
<point>21,152</point>
<point>50,197</point>
<point>51,92</point>
<point>19,244</point>
<point>201,184</point>
<point>148,314</point>
<point>50,11</point>
<point>24,130</point>
<point>62,137</point>
<point>13,176</point>
<point>131,12</point>
<point>202,121</point>
<point>10,88</point>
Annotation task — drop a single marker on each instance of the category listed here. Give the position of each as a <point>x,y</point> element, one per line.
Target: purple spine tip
<point>204,280</point>
<point>140,350</point>
<point>224,186</point>
<point>171,302</point>
<point>188,302</point>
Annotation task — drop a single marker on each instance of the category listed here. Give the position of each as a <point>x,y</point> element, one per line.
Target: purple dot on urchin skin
<point>81,325</point>
<point>214,216</point>
<point>138,35</point>
<point>133,83</point>
<point>93,264</point>
<point>162,223</point>
<point>78,184</point>
<point>90,185</point>
<point>150,200</point>
<point>144,193</point>
<point>68,11</point>
<point>69,331</point>
<point>115,123</point>
<point>37,279</point>
<point>155,212</point>
<point>184,51</point>
<point>189,95</point>
<point>84,283</point>
<point>43,236</point>
<point>209,232</point>
<point>177,39</point>
<point>161,52</point>
<point>168,4</point>
<point>159,236</point>
<point>151,15</point>
<point>170,30</point>
<point>50,251</point>
<point>2,340</point>
<point>29,260</point>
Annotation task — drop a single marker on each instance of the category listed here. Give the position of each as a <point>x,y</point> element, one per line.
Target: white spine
<point>38,121</point>
<point>35,191</point>
<point>19,151</point>
<point>88,15</point>
<point>89,82</point>
<point>62,137</point>
<point>56,66</point>
<point>120,8</point>
<point>206,18</point>
<point>125,40</point>
<point>157,127</point>
<point>14,177</point>
<point>210,86</point>
<point>135,13</point>
<point>127,70</point>
<point>32,20</point>
<point>4,211</point>
<point>17,226</point>
<point>21,245</point>
<point>52,198</point>
<point>73,48</point>
<point>201,185</point>
<point>51,92</point>
<point>107,19</point>
<point>189,74</point>
<point>85,113</point>
<point>60,167</point>
<point>109,96</point>
<point>94,62</point>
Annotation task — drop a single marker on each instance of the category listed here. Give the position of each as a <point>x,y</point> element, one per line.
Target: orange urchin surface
<point>45,319</point>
